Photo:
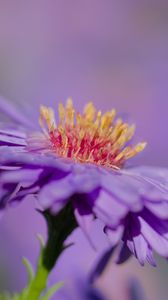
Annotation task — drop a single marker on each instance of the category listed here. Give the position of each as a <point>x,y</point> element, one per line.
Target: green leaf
<point>41,240</point>
<point>5,296</point>
<point>15,297</point>
<point>29,269</point>
<point>8,296</point>
<point>52,291</point>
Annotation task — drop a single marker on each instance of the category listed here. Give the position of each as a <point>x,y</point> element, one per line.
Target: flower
<point>135,290</point>
<point>82,289</point>
<point>82,160</point>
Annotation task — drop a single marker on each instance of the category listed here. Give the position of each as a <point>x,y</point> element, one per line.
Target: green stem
<point>60,227</point>
<point>38,284</point>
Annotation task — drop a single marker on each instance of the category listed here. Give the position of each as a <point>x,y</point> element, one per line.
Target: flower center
<point>91,137</point>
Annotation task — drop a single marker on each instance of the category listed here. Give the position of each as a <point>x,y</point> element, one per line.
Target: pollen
<point>90,137</point>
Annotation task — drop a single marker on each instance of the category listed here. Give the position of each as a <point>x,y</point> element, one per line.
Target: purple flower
<point>135,290</point>
<point>86,288</point>
<point>81,289</point>
<point>82,159</point>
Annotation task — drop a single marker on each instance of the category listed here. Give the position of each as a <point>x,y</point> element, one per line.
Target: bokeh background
<point>114,53</point>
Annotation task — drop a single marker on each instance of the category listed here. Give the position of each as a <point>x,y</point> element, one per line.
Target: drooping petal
<point>123,253</point>
<point>156,240</point>
<point>84,217</point>
<point>55,191</point>
<point>108,209</point>
<point>135,291</point>
<point>114,235</point>
<point>124,188</point>
<point>102,264</point>
<point>160,209</point>
<point>150,257</point>
<point>141,248</point>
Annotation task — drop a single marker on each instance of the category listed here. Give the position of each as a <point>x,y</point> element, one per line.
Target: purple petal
<point>154,176</point>
<point>84,178</point>
<point>108,209</point>
<point>55,191</point>
<point>12,156</point>
<point>114,235</point>
<point>12,131</point>
<point>141,248</point>
<point>13,113</point>
<point>156,241</point>
<point>124,188</point>
<point>150,257</point>
<point>6,139</point>
<point>102,264</point>
<point>20,176</point>
<point>84,220</point>
<point>122,253</point>
<point>159,225</point>
<point>135,291</point>
<point>159,209</point>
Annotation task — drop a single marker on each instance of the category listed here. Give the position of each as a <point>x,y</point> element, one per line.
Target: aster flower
<point>81,160</point>
<point>135,290</point>
<point>81,289</point>
<point>87,288</point>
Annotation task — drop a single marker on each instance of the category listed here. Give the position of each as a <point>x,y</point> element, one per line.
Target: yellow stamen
<point>89,112</point>
<point>70,112</point>
<point>138,148</point>
<point>61,112</point>
<point>47,116</point>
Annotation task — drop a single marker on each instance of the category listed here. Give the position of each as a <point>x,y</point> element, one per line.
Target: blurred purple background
<point>114,53</point>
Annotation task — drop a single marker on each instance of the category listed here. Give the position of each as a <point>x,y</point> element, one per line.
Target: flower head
<point>81,160</point>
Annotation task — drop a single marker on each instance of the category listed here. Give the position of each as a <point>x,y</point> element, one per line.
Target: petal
<point>20,176</point>
<point>6,193</point>
<point>102,264</point>
<point>14,156</point>
<point>6,139</point>
<point>150,257</point>
<point>135,291</point>
<point>159,225</point>
<point>134,188</point>
<point>141,248</point>
<point>114,235</point>
<point>158,174</point>
<point>124,188</point>
<point>84,178</point>
<point>55,191</point>
<point>123,253</point>
<point>159,209</point>
<point>84,219</point>
<point>156,240</point>
<point>12,131</point>
<point>108,209</point>
<point>136,242</point>
<point>155,177</point>
<point>14,114</point>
